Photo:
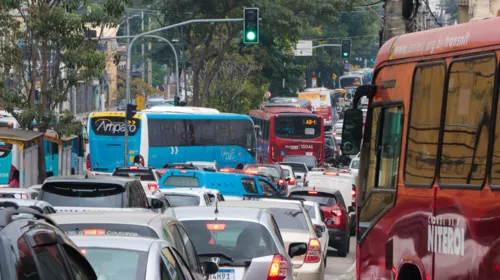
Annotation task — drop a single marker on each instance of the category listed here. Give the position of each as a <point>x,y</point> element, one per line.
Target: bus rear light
<point>278,269</point>
<point>152,186</point>
<point>313,254</point>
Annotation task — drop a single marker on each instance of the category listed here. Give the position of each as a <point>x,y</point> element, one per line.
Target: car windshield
<point>71,194</point>
<point>177,200</point>
<point>290,218</point>
<point>240,240</point>
<point>264,170</point>
<point>117,264</point>
<point>143,175</point>
<point>182,181</point>
<point>355,164</point>
<point>323,199</point>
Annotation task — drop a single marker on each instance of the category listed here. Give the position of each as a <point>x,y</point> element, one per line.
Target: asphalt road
<point>338,268</point>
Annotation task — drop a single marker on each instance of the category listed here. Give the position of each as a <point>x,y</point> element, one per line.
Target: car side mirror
<point>156,203</point>
<point>320,227</point>
<point>318,232</point>
<point>298,177</point>
<point>297,249</point>
<point>210,268</point>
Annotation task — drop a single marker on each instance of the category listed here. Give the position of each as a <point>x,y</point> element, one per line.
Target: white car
<point>21,193</point>
<point>148,177</point>
<point>300,170</point>
<point>290,176</point>
<point>204,165</point>
<point>317,218</point>
<point>177,197</point>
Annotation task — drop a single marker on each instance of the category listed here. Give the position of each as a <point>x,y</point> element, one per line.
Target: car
<point>147,176</point>
<point>309,161</point>
<point>335,213</point>
<point>119,257</point>
<point>96,193</point>
<point>205,165</point>
<point>246,241</point>
<point>42,206</point>
<point>187,196</point>
<point>33,246</point>
<point>231,186</point>
<point>300,170</point>
<point>317,218</point>
<point>273,171</point>
<point>156,101</point>
<point>343,182</point>
<point>290,176</point>
<point>160,201</point>
<point>354,167</point>
<point>133,224</point>
<point>21,193</point>
<point>184,166</point>
<point>332,150</point>
<point>296,227</point>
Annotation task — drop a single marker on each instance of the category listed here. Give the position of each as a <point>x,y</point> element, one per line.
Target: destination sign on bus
<point>310,122</point>
<point>114,126</point>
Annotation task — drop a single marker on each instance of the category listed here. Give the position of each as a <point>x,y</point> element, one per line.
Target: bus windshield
<point>297,127</point>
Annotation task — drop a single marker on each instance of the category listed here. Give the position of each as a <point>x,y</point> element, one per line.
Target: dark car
<point>272,171</point>
<point>309,161</point>
<point>34,247</point>
<point>335,212</point>
<point>84,193</point>
<point>332,150</point>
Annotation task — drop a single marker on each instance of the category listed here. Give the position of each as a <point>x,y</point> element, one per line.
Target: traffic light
<point>130,112</point>
<point>346,48</point>
<point>251,25</point>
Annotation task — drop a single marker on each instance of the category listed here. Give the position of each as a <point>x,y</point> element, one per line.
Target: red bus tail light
<point>152,186</point>
<point>89,165</point>
<point>313,254</point>
<point>278,269</point>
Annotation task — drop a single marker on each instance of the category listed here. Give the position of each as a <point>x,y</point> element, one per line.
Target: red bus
<point>428,192</point>
<point>288,132</point>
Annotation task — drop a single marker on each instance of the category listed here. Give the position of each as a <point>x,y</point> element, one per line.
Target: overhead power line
<point>432,14</point>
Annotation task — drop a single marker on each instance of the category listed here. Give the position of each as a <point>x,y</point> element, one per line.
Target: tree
<point>52,39</point>
<point>137,86</point>
<point>208,44</point>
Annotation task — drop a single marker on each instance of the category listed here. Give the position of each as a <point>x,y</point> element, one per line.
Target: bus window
<point>465,142</point>
<point>426,100</point>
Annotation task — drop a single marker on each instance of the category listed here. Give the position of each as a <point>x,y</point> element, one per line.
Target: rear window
<point>309,161</point>
<point>177,200</point>
<point>117,263</point>
<point>144,175</point>
<point>297,168</point>
<point>70,194</point>
<point>265,170</point>
<point>355,164</point>
<point>287,172</point>
<point>290,218</point>
<point>109,229</point>
<point>182,181</point>
<point>240,240</point>
<point>323,199</point>
<point>310,211</point>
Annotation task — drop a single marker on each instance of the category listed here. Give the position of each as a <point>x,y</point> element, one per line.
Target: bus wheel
<point>409,272</point>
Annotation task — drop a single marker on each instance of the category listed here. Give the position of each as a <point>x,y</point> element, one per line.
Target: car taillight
<point>89,165</point>
<point>278,269</point>
<point>281,182</point>
<point>313,254</point>
<point>337,213</point>
<point>152,186</point>
<point>292,181</point>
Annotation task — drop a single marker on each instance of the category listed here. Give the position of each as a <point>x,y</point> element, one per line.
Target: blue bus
<point>178,135</point>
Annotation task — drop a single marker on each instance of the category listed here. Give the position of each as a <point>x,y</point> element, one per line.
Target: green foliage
<point>137,86</point>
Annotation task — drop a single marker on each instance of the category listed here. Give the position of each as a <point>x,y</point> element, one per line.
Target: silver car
<point>132,224</point>
<point>40,205</point>
<point>118,257</point>
<point>245,241</point>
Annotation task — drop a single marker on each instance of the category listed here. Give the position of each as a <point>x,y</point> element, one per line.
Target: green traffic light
<point>251,35</point>
<point>345,54</point>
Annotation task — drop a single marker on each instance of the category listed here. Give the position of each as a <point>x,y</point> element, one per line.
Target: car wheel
<point>344,248</point>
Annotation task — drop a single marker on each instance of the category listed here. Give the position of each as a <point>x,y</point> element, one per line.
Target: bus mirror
<point>361,91</point>
<point>352,132</point>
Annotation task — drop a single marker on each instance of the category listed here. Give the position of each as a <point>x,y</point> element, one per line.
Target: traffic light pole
<point>129,62</point>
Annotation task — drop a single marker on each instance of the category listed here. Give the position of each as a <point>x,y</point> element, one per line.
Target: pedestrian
<point>138,161</point>
<point>14,180</point>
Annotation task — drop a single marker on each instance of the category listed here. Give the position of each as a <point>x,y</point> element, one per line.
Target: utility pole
<point>394,24</point>
<point>143,69</point>
<point>150,61</point>
<point>128,30</point>
<point>184,65</point>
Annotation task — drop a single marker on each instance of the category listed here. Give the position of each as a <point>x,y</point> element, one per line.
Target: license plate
<point>223,274</point>
<point>309,153</point>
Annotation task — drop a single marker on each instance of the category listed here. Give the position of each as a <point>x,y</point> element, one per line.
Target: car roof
<point>258,204</point>
<point>201,162</point>
<point>26,202</point>
<point>292,201</point>
<point>196,191</point>
<point>307,189</point>
<point>208,213</point>
<point>116,242</point>
<point>16,190</point>
<point>89,179</point>
<point>111,217</point>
